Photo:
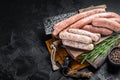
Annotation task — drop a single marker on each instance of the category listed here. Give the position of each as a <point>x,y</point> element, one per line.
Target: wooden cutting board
<point>62,53</point>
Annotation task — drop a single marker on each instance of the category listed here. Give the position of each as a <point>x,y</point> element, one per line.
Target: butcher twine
<point>54,66</point>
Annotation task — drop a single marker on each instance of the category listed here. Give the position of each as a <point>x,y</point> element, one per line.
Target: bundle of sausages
<point>83,29</point>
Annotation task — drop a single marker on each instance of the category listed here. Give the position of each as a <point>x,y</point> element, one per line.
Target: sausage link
<point>67,22</point>
<point>107,23</point>
<point>102,31</point>
<point>115,19</point>
<point>94,36</point>
<point>88,20</point>
<point>78,45</point>
<point>75,37</point>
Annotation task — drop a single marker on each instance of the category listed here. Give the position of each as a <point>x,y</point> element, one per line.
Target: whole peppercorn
<point>115,56</point>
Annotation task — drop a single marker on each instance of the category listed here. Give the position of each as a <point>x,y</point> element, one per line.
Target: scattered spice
<point>115,56</point>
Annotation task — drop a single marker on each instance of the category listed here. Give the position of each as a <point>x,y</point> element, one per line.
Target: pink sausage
<point>106,23</point>
<point>102,31</point>
<point>67,22</point>
<point>88,20</point>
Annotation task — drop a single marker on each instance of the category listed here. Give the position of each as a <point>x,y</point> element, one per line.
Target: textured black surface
<point>50,21</point>
<point>23,54</point>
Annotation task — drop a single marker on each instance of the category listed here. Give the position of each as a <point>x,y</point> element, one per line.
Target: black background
<point>23,53</point>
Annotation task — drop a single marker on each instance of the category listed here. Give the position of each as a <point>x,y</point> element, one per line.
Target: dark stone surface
<point>23,53</point>
<point>50,21</point>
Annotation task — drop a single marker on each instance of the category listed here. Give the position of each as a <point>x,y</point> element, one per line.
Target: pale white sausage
<point>75,37</point>
<point>78,45</point>
<point>94,36</point>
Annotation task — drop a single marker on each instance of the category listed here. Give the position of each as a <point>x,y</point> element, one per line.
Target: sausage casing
<point>107,23</point>
<point>94,36</point>
<point>94,29</point>
<point>88,20</point>
<point>78,45</point>
<point>67,22</point>
<point>75,37</point>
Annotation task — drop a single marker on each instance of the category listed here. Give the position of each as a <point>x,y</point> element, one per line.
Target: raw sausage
<point>115,19</point>
<point>75,37</point>
<point>107,23</point>
<point>78,45</point>
<point>102,31</point>
<point>67,22</point>
<point>88,20</point>
<point>94,36</point>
